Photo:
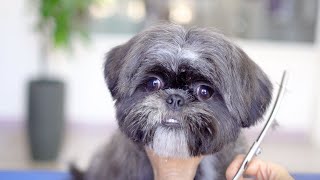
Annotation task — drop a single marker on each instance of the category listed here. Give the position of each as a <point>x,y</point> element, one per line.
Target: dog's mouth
<point>171,123</point>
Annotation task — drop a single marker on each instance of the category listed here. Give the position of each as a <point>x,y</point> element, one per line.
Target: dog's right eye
<point>154,84</point>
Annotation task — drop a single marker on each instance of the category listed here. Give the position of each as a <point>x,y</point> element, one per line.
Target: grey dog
<point>182,93</point>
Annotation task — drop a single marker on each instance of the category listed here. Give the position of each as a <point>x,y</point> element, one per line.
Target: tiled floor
<point>291,150</point>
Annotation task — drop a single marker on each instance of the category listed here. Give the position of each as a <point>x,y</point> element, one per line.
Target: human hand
<point>168,168</point>
<point>258,169</point>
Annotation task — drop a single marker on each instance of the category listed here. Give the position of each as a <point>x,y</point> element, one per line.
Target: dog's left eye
<point>204,92</point>
<point>154,84</point>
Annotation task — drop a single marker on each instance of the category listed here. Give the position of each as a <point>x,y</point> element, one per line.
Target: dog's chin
<point>170,142</point>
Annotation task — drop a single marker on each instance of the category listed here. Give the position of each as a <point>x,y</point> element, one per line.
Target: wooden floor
<point>291,150</point>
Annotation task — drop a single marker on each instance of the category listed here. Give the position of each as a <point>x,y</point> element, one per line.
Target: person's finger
<point>234,166</point>
<point>267,170</point>
<point>258,169</point>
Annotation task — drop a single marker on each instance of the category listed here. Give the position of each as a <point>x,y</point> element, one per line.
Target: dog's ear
<point>251,90</point>
<point>114,61</point>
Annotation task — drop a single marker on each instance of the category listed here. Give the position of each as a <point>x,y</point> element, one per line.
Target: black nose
<point>175,101</point>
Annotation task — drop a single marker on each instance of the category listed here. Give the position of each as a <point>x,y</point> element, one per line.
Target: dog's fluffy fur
<point>179,61</point>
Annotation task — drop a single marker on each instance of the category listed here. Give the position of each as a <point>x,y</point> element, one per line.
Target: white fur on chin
<point>170,143</point>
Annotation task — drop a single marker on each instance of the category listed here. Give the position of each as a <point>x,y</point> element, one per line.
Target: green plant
<point>59,20</point>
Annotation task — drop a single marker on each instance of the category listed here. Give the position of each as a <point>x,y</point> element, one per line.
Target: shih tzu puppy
<point>182,93</point>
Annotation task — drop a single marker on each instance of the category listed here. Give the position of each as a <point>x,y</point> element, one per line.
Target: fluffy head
<point>184,92</point>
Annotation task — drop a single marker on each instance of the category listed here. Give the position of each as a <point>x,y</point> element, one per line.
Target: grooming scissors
<point>255,148</point>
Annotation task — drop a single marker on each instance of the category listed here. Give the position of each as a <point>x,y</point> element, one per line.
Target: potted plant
<point>59,21</point>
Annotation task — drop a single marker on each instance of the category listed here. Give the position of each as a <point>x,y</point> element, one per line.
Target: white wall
<point>299,108</point>
<point>88,99</point>
<point>18,56</point>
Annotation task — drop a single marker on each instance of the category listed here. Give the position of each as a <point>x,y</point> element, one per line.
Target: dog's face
<point>184,92</point>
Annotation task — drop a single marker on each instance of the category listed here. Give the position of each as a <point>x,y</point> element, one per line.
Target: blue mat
<point>306,176</point>
<point>34,175</point>
<point>59,175</point>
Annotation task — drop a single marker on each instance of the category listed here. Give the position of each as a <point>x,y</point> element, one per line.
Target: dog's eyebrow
<point>183,66</point>
<point>162,70</point>
<point>191,73</point>
<point>159,68</point>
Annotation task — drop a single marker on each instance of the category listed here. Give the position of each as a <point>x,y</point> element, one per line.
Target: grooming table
<point>34,175</point>
<point>62,175</point>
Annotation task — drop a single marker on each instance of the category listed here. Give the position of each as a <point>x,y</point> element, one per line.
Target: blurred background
<point>55,107</point>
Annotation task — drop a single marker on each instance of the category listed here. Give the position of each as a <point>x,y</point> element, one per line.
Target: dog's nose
<point>175,101</point>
